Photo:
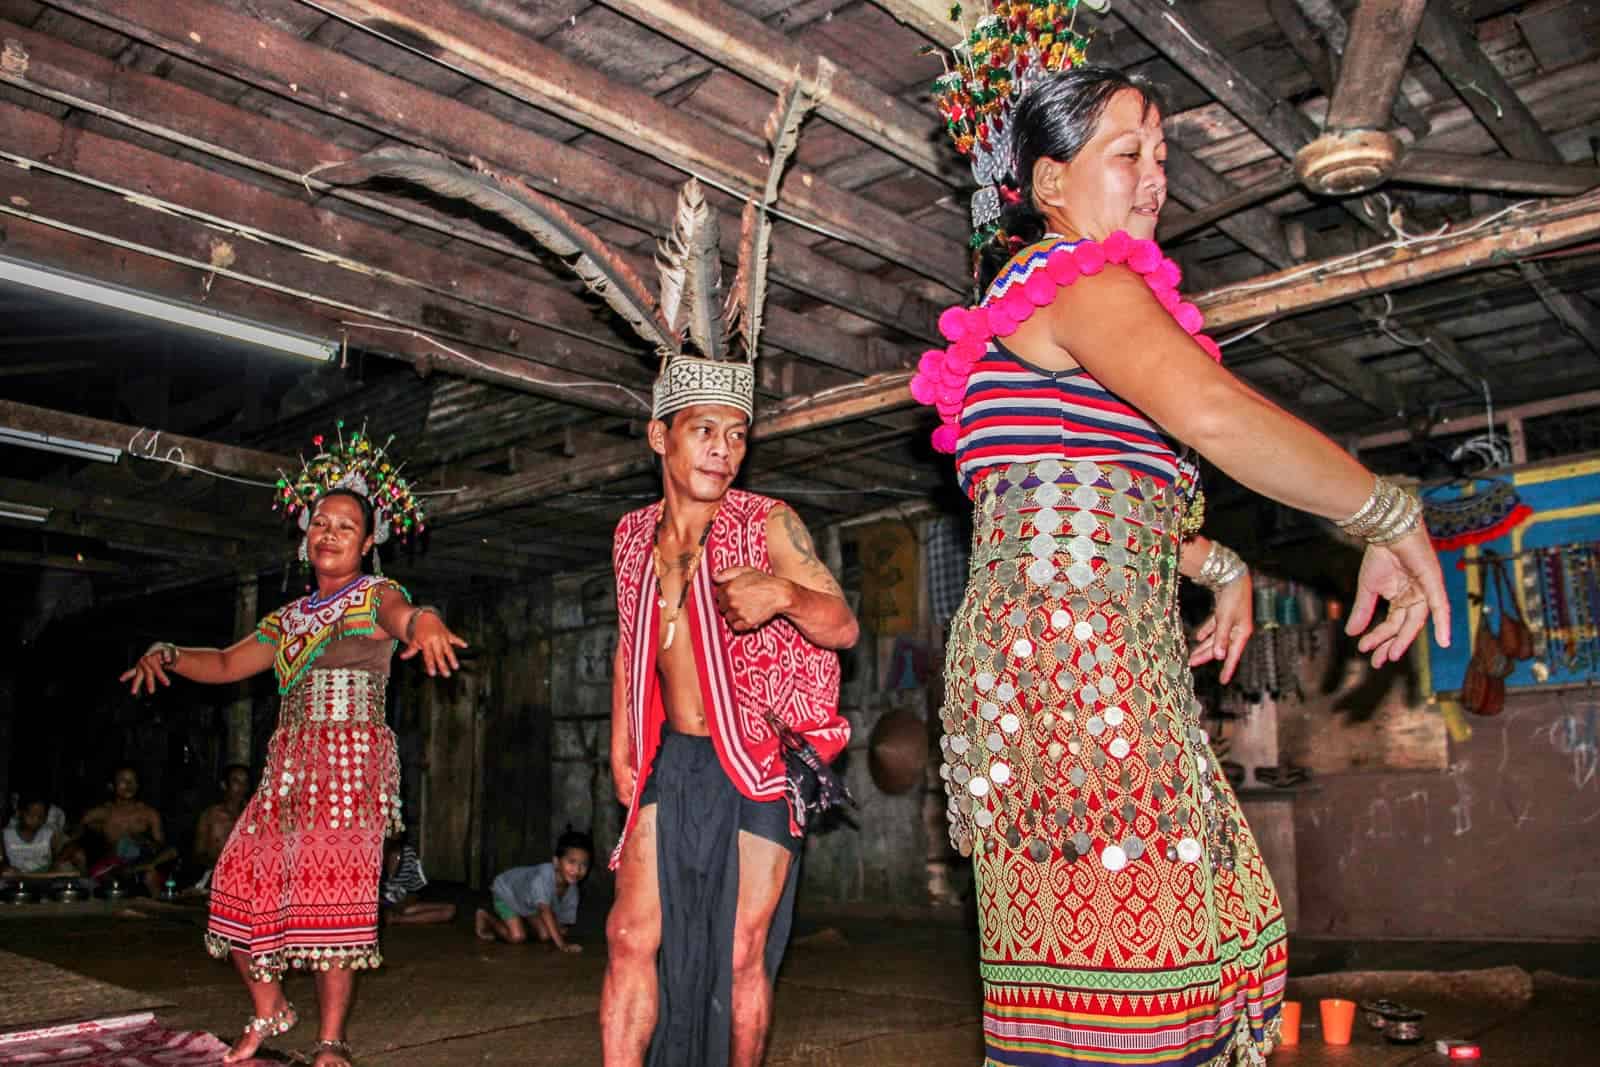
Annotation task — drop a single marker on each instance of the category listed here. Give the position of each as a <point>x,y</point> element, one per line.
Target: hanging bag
<point>1516,639</point>
<point>1483,690</point>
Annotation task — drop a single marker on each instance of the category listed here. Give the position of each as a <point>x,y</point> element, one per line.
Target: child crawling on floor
<point>539,901</point>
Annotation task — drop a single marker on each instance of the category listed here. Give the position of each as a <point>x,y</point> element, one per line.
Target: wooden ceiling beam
<point>195,121</point>
<point>252,229</point>
<point>370,310</point>
<point>142,512</point>
<point>335,84</point>
<point>770,58</point>
<point>1315,285</point>
<point>538,75</point>
<point>1571,309</point>
<point>93,257</point>
<point>1453,47</point>
<point>224,459</point>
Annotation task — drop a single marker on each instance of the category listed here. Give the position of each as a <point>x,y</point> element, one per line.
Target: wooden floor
<point>853,992</point>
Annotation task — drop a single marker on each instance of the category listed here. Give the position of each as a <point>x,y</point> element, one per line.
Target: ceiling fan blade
<point>1458,170</point>
<point>1381,35</point>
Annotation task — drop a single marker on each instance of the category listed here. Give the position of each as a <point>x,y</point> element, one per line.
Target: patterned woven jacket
<point>742,676</point>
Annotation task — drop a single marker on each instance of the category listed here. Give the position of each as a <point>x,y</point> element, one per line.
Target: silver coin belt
<point>334,696</point>
<point>1066,657</point>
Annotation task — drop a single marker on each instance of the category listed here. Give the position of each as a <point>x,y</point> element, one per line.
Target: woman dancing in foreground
<point>1125,913</point>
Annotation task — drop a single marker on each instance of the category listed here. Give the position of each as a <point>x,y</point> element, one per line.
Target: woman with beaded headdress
<point>296,884</point>
<point>1125,912</point>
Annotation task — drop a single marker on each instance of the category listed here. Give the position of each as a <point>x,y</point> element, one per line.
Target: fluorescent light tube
<point>24,512</point>
<point>65,445</point>
<point>171,311</point>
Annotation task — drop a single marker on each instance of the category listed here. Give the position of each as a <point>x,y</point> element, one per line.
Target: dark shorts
<point>767,819</point>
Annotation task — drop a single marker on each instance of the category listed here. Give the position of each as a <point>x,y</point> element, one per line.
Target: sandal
<point>275,1025</point>
<point>337,1045</point>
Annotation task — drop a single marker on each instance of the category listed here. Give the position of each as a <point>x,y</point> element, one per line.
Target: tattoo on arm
<point>800,541</point>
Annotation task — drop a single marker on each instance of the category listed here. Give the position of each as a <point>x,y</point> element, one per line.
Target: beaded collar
<point>941,378</point>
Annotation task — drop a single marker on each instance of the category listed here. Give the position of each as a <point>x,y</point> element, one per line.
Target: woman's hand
<point>426,633</point>
<point>1406,574</point>
<point>150,669</point>
<point>1224,635</point>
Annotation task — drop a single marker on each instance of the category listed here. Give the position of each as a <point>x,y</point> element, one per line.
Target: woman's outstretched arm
<point>1112,325</point>
<point>210,666</point>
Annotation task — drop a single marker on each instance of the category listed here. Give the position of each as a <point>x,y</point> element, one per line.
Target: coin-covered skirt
<point>1126,916</point>
<point>297,883</point>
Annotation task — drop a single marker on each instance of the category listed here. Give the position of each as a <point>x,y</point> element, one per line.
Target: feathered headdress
<point>986,74</point>
<point>691,325</point>
<point>362,467</point>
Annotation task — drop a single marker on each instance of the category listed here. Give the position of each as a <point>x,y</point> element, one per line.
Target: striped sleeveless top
<point>1015,412</point>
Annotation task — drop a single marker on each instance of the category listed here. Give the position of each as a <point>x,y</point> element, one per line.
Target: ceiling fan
<point>1357,153</point>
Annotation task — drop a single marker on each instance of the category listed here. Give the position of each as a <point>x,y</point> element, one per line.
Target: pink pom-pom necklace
<point>941,378</point>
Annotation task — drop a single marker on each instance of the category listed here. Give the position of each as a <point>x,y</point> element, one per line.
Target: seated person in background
<point>55,819</point>
<point>544,897</point>
<point>216,822</point>
<point>132,833</point>
<point>31,846</point>
<point>401,882</point>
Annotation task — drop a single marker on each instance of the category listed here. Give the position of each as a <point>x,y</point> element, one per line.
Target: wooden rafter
<point>730,38</point>
<point>53,69</point>
<point>532,72</point>
<point>1573,311</point>
<point>337,85</point>
<point>1453,48</point>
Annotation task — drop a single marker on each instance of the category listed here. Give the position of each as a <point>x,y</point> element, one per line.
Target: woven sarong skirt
<point>297,883</point>
<point>1124,911</point>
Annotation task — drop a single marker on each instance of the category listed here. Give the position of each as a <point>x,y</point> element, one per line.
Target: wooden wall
<point>1502,843</point>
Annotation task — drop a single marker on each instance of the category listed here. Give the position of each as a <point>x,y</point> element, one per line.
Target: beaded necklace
<point>314,601</point>
<point>688,576</point>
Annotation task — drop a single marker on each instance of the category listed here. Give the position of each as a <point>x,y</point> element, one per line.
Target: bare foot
<point>279,1021</point>
<point>481,927</point>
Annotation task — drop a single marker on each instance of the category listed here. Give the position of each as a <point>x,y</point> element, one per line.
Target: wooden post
<point>237,715</point>
<point>1519,441</point>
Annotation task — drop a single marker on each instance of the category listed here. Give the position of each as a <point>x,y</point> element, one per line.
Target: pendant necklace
<point>688,576</point>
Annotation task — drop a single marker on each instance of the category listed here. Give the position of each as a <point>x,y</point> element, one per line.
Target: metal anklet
<point>273,1025</point>
<point>336,1045</point>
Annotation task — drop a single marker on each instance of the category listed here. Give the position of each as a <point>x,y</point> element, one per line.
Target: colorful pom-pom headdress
<point>364,468</point>
<point>987,73</point>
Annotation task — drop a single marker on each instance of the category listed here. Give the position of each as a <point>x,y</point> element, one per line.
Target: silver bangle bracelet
<point>1389,514</point>
<point>1221,567</point>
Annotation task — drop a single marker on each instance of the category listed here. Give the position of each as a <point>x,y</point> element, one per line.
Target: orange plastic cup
<point>1337,1018</point>
<point>1290,1034</point>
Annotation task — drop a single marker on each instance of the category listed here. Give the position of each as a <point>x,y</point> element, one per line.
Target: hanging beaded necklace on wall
<point>688,576</point>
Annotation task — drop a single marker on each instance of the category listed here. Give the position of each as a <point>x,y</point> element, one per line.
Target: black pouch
<point>810,785</point>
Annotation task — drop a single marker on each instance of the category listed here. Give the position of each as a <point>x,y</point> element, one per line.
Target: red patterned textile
<point>126,1041</point>
<point>743,676</point>
<point>297,883</point>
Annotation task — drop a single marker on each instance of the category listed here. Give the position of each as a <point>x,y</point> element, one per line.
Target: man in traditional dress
<point>728,622</point>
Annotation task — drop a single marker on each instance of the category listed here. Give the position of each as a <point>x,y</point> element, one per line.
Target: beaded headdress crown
<point>692,326</point>
<point>985,76</point>
<point>359,465</point>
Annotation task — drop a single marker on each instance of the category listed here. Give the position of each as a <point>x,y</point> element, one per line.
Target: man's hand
<point>748,598</point>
